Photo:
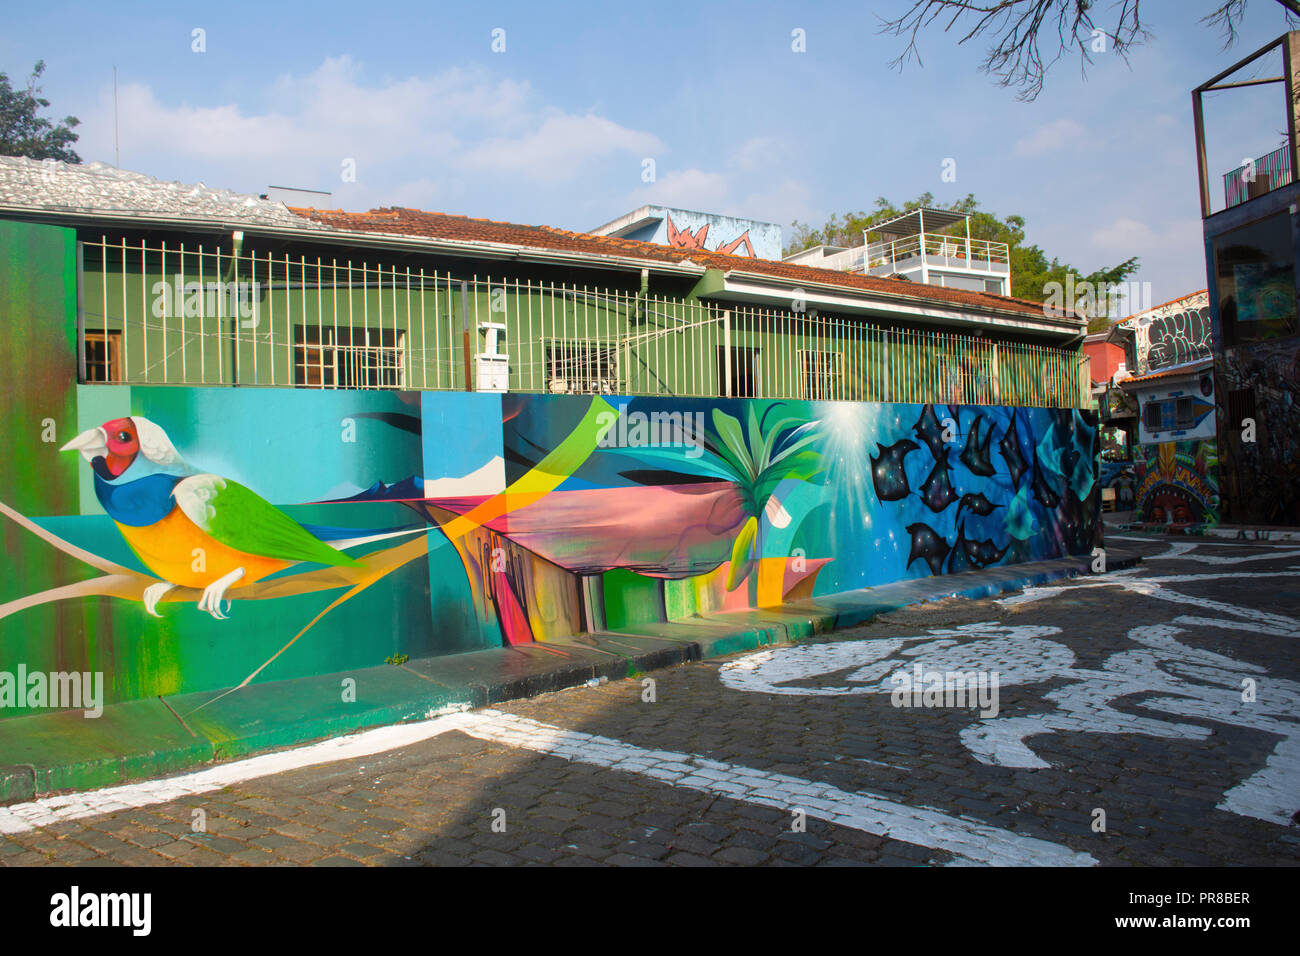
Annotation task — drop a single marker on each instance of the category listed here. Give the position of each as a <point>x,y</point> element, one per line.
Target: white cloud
<point>686,189</point>
<point>417,138</point>
<point>1124,234</point>
<point>555,150</point>
<point>1050,136</point>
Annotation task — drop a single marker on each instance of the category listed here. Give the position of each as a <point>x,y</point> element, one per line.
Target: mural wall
<point>223,534</point>
<point>1261,466</point>
<point>1178,483</point>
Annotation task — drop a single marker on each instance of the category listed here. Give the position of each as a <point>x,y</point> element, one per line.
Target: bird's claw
<point>153,594</point>
<point>214,595</point>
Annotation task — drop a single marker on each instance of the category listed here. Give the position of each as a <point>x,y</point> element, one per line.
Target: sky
<point>556,124</point>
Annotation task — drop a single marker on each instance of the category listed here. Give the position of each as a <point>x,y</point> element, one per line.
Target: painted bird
<point>192,530</point>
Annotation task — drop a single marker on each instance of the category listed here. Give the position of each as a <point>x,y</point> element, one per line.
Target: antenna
<point>117,155</point>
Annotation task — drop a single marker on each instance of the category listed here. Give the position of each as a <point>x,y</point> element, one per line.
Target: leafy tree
<point>23,133</point>
<point>1032,273</point>
<point>1029,36</point>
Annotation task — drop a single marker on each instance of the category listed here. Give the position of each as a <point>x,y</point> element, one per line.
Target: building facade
<point>1252,254</point>
<point>261,442</point>
<point>1163,395</point>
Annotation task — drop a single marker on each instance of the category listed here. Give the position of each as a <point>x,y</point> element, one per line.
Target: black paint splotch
<point>928,545</point>
<point>975,455</point>
<point>1012,455</point>
<point>1044,493</point>
<point>887,473</point>
<point>976,504</point>
<point>937,492</point>
<point>929,430</point>
<point>983,553</point>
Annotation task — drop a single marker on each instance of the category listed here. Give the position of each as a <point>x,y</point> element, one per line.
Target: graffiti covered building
<point>1168,375</point>
<point>1252,255</point>
<point>258,443</point>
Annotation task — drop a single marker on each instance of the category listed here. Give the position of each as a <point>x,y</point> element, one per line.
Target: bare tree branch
<point>1028,37</point>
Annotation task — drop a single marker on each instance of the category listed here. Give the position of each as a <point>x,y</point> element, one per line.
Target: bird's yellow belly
<point>179,551</point>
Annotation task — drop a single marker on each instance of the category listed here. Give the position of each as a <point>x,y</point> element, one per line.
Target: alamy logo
<point>193,300</point>
<point>927,688</point>
<point>62,690</point>
<point>639,430</point>
<point>74,908</point>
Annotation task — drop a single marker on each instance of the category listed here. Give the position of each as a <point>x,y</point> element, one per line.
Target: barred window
<point>581,368</point>
<point>348,357</point>
<point>821,375</point>
<point>103,358</point>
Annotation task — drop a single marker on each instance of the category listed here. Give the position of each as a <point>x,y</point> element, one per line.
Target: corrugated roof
<point>97,189</point>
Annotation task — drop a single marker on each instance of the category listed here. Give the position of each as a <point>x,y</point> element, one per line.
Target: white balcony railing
<point>946,252</point>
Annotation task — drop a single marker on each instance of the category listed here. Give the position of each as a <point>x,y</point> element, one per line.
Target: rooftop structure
<point>921,245</point>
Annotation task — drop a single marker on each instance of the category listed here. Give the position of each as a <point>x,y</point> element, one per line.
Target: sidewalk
<point>147,738</point>
<point>1123,521</point>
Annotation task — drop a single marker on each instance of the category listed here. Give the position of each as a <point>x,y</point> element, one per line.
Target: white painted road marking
<point>969,841</point>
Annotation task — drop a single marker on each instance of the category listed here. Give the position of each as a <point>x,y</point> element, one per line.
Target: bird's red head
<point>123,445</point>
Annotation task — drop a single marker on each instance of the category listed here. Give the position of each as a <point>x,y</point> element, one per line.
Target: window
<point>1172,414</point>
<point>744,372</point>
<point>103,356</point>
<point>581,368</point>
<point>348,357</point>
<point>1256,280</point>
<point>956,385</point>
<point>820,375</point>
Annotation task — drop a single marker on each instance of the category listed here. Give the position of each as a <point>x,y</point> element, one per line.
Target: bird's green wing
<point>243,520</point>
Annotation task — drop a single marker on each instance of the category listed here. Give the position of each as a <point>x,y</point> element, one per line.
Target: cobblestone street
<point>1143,717</point>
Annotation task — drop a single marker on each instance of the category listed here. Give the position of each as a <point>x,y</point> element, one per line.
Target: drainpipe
<point>464,334</point>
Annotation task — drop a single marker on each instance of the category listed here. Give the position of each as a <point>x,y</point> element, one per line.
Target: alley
<point>1140,717</point>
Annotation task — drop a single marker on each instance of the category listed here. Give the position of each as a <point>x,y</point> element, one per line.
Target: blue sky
<point>555,129</point>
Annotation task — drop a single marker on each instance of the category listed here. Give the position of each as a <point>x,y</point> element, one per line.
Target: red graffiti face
<point>1167,505</point>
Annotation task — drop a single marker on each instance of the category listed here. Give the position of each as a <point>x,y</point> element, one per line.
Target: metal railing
<point>1271,171</point>
<point>949,252</point>
<point>188,315</point>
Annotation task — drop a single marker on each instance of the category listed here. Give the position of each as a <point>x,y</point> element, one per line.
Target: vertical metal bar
<point>162,274</point>
<point>424,338</point>
<point>125,323</point>
<point>255,299</point>
<point>144,307</point>
<point>81,322</point>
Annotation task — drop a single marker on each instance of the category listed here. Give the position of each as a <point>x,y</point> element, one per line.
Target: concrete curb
<point>48,753</point>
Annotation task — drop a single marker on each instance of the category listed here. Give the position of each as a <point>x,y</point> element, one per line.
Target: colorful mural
<point>1177,483</point>
<point>227,535</point>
